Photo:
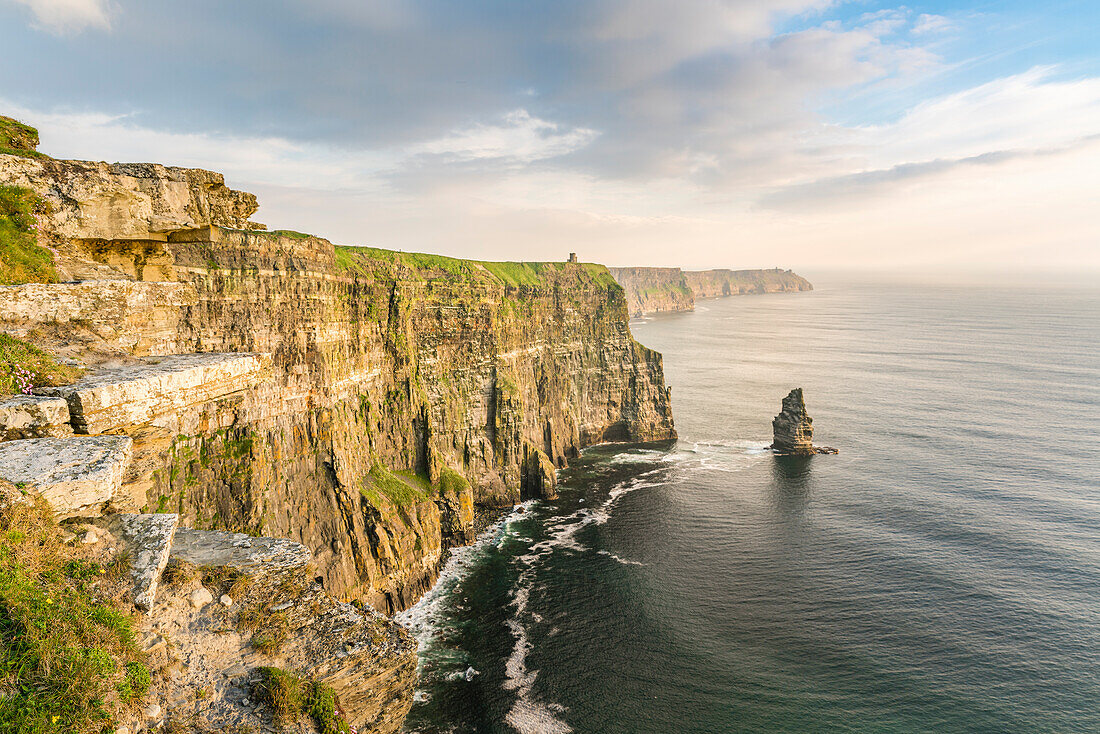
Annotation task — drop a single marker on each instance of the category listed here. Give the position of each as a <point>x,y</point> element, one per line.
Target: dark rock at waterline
<point>793,429</point>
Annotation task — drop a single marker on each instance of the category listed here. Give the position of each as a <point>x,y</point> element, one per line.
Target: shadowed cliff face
<point>397,392</point>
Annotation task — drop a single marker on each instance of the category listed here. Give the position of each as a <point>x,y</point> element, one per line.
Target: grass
<point>68,662</point>
<point>22,259</point>
<point>382,482</point>
<point>18,139</point>
<point>22,362</point>
<point>365,261</point>
<point>290,696</point>
<point>291,234</point>
<point>269,629</point>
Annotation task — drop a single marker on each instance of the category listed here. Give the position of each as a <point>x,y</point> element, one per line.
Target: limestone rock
<point>654,290</point>
<point>200,597</point>
<point>149,537</point>
<point>156,390</point>
<point>134,201</point>
<point>34,416</point>
<point>120,315</point>
<point>793,429</point>
<point>259,557</point>
<point>77,476</point>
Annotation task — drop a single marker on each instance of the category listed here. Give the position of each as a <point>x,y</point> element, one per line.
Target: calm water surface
<point>942,574</point>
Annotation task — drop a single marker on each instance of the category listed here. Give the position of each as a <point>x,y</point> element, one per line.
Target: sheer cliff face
<point>653,290</point>
<point>716,283</point>
<point>396,393</point>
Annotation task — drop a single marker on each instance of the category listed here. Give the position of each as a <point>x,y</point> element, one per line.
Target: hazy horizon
<point>918,139</point>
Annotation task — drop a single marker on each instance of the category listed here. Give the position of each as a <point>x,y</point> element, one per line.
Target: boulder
<point>34,416</point>
<point>77,476</point>
<point>149,537</point>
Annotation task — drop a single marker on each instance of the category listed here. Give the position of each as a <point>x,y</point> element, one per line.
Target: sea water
<point>941,574</point>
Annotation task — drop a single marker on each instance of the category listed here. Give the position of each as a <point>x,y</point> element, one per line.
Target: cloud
<point>520,136</point>
<point>828,192</point>
<point>69,16</point>
<point>735,129</point>
<point>929,23</point>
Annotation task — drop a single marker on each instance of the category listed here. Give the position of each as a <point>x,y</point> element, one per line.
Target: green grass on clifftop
<point>22,259</point>
<point>68,662</point>
<point>22,364</point>
<point>18,139</point>
<point>367,262</point>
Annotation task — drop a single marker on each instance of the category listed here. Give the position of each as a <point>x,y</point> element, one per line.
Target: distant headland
<point>653,290</point>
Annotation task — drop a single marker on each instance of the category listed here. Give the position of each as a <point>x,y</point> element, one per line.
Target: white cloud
<point>928,23</point>
<point>69,16</point>
<point>1032,110</point>
<point>520,137</point>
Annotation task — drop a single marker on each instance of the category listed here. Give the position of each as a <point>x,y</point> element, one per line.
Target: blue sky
<point>701,133</point>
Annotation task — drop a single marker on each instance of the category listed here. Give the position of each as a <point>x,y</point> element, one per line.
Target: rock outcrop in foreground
<point>358,402</point>
<point>793,429</point>
<point>653,290</point>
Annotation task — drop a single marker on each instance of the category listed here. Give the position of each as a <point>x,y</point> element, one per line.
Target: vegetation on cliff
<point>24,366</point>
<point>365,261</point>
<point>68,658</point>
<point>22,259</point>
<point>18,139</point>
<point>291,696</point>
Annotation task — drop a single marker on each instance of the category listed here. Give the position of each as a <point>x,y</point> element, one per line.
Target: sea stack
<point>793,429</point>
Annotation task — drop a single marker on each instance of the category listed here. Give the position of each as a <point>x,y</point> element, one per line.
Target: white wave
<point>624,561</point>
<point>527,715</point>
<point>422,618</point>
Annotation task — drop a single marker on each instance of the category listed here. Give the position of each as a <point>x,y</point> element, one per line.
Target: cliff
<point>358,401</point>
<point>715,283</point>
<point>653,290</point>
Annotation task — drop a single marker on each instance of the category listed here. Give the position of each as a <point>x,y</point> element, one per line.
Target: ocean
<point>941,574</point>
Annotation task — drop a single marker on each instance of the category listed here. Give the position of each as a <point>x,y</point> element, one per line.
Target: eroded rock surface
<point>278,616</point>
<point>793,429</point>
<point>156,390</point>
<point>77,476</point>
<point>149,538</point>
<point>34,416</point>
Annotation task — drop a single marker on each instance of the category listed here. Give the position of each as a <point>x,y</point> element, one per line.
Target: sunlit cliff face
<point>698,133</point>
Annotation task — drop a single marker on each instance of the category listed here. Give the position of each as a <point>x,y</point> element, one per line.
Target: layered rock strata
<point>358,403</point>
<point>382,395</point>
<point>793,429</point>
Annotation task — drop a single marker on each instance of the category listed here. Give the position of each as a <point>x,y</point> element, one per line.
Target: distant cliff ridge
<point>653,290</point>
<point>715,283</point>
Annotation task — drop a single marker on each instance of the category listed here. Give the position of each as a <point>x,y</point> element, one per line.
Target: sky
<point>809,134</point>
